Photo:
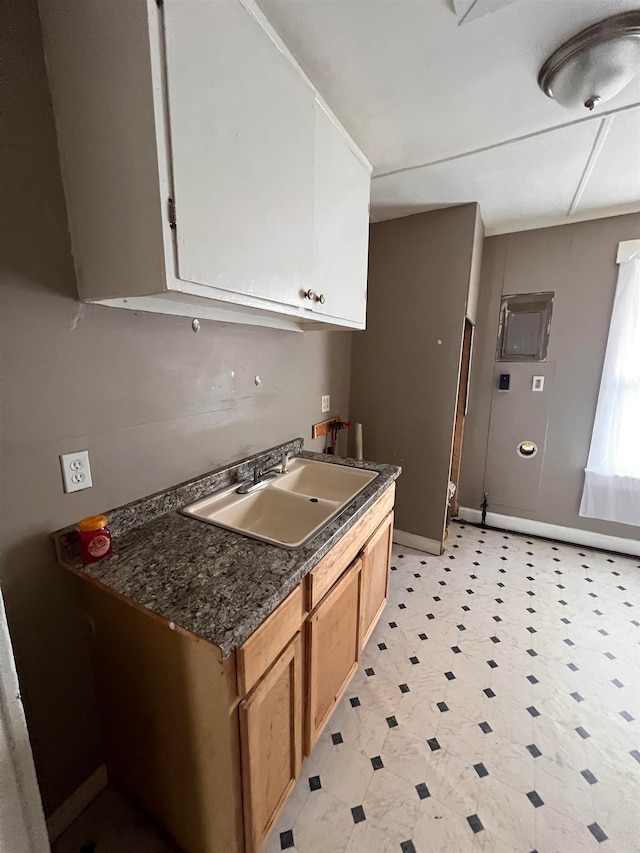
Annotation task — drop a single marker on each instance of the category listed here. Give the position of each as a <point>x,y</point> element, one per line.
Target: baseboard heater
<point>555,532</point>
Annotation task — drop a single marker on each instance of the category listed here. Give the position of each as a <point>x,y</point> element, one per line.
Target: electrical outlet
<point>326,403</point>
<point>76,472</point>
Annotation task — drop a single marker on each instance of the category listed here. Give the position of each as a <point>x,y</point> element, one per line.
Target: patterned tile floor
<point>496,709</point>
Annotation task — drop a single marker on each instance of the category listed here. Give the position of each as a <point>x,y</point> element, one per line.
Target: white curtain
<point>612,476</point>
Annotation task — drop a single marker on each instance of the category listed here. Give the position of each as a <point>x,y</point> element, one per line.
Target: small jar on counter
<point>95,538</point>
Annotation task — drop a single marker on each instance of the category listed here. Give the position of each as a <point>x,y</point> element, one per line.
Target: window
<point>612,476</point>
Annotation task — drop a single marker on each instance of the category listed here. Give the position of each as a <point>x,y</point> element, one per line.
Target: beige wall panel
<point>476,270</point>
<point>405,365</point>
<point>577,262</point>
<point>518,414</point>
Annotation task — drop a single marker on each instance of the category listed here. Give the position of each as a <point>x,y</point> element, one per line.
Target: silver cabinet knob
<point>310,294</point>
<point>320,299</point>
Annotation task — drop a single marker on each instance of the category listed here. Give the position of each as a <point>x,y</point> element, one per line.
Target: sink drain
<point>313,500</point>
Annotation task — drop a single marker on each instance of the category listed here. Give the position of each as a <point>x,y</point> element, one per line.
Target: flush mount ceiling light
<point>596,64</point>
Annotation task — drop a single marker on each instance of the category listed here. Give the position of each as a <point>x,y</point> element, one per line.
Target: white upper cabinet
<point>204,175</point>
<point>341,233</point>
<point>242,145</point>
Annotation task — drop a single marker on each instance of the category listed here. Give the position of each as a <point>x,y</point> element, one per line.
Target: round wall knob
<point>320,299</point>
<point>310,294</point>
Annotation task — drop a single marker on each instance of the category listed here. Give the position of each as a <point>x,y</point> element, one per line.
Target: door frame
<point>462,403</point>
<point>23,828</point>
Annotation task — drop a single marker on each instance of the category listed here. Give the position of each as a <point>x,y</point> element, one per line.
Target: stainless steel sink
<point>291,509</point>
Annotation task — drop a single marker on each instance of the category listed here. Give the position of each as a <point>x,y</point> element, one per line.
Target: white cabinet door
<point>342,188</point>
<point>242,139</point>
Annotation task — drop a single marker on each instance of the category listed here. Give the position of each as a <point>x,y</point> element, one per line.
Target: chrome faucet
<point>260,480</point>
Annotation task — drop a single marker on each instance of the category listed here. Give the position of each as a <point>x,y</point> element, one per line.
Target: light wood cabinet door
<point>333,651</point>
<point>271,738</point>
<point>376,556</point>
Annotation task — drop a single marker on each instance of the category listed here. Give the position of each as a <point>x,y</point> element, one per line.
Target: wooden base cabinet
<point>212,747</point>
<point>169,711</point>
<point>271,741</point>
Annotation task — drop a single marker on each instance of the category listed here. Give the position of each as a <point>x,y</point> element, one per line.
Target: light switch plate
<point>537,383</point>
<point>76,471</point>
<point>326,403</point>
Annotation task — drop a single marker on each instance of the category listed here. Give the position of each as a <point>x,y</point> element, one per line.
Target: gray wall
<point>405,365</point>
<point>153,403</point>
<point>577,262</point>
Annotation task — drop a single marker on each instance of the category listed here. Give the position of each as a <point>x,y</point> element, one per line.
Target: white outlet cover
<point>537,383</point>
<point>76,471</point>
<point>326,402</point>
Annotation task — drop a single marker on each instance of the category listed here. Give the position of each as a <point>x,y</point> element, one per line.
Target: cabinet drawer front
<point>321,578</point>
<point>333,638</point>
<point>257,654</point>
<point>271,735</point>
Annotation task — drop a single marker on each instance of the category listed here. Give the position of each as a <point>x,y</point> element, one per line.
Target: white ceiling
<point>451,113</point>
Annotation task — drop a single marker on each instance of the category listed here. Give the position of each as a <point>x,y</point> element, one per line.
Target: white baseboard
<point>419,543</point>
<point>73,806</point>
<point>573,535</point>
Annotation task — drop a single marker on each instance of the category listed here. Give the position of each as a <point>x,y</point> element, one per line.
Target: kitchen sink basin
<point>291,509</point>
<point>324,480</point>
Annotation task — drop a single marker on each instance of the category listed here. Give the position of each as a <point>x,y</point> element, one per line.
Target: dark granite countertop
<point>212,582</point>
